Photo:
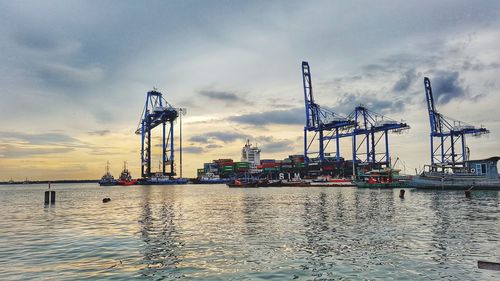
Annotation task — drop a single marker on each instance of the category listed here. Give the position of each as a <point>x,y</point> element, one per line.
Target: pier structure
<point>369,131</point>
<point>447,137</point>
<point>157,112</point>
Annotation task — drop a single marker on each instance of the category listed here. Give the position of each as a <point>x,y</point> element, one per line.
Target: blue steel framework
<point>446,134</point>
<point>328,126</point>
<point>320,121</point>
<point>372,127</point>
<point>157,111</point>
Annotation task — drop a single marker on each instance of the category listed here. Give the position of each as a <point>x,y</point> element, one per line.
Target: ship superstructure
<point>251,155</point>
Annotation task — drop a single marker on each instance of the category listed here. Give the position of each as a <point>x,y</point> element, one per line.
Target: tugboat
<point>381,178</point>
<point>244,183</point>
<point>107,179</point>
<point>126,177</point>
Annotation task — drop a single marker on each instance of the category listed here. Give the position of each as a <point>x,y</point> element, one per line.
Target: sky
<point>74,76</point>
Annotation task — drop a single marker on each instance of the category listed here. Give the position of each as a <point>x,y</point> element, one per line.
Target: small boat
<point>244,184</point>
<point>126,177</point>
<point>211,178</point>
<point>107,179</point>
<point>381,178</point>
<point>329,181</point>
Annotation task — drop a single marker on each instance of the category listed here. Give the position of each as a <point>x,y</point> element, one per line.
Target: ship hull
<point>452,183</point>
<point>162,182</point>
<point>132,182</point>
<point>219,181</point>
<point>388,185</point>
<point>107,183</point>
<point>333,183</point>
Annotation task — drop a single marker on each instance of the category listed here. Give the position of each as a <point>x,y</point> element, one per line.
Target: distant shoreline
<point>48,181</point>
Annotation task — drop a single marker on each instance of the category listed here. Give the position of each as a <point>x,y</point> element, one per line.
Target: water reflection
<point>252,211</point>
<point>160,236</point>
<point>216,233</point>
<point>318,243</point>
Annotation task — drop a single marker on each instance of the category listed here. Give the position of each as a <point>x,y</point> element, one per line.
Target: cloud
<point>404,82</point>
<point>62,75</point>
<point>269,144</point>
<point>446,86</point>
<point>213,146</point>
<point>347,103</point>
<point>294,116</point>
<point>14,151</point>
<point>225,137</point>
<point>227,97</point>
<point>99,133</point>
<point>193,149</point>
<point>39,139</point>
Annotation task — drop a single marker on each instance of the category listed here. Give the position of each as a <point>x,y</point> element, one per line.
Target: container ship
<point>272,172</point>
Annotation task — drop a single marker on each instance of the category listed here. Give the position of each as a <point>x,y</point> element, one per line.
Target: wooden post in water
<point>488,265</point>
<point>47,199</point>
<point>468,192</point>
<point>52,197</point>
<point>402,194</point>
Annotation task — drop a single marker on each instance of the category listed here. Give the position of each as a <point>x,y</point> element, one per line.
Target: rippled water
<point>213,232</point>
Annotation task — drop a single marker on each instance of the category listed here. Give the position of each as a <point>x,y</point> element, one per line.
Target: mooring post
<point>47,200</point>
<point>52,197</point>
<point>402,193</point>
<point>468,192</point>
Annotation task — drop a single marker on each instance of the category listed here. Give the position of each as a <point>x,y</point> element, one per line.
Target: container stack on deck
<point>272,168</point>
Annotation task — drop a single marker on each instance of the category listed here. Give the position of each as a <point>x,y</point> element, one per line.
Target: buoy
<point>402,193</point>
<point>106,200</point>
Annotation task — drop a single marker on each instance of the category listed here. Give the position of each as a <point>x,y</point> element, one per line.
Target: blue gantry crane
<point>367,134</point>
<point>367,129</point>
<point>321,123</point>
<point>447,137</point>
<point>157,111</point>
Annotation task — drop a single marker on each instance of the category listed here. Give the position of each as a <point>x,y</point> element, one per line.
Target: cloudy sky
<point>74,74</point>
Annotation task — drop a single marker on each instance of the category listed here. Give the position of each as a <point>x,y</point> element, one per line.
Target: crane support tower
<point>447,137</point>
<point>367,135</point>
<point>321,123</point>
<point>157,111</point>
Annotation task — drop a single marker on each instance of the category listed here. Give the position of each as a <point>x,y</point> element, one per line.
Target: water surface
<point>214,232</point>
